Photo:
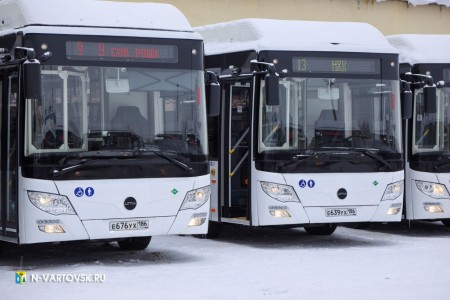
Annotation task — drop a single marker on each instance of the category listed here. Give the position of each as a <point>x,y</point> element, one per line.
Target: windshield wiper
<point>58,172</point>
<point>308,157</point>
<point>441,164</point>
<point>334,151</point>
<point>174,161</point>
<point>86,158</point>
<point>376,157</point>
<point>93,156</point>
<point>98,154</point>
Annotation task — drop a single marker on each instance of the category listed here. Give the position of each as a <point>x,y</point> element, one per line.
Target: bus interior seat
<point>329,128</point>
<point>172,145</point>
<point>329,120</point>
<point>130,118</point>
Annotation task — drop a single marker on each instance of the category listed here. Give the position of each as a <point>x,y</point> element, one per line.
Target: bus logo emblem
<point>342,193</point>
<point>130,203</point>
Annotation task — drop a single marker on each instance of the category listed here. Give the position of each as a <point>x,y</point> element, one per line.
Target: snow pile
<point>18,13</point>
<point>425,2</point>
<point>293,35</point>
<point>384,262</point>
<point>422,48</point>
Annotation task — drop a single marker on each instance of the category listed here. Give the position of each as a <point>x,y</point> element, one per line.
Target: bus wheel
<point>2,247</point>
<point>135,243</point>
<point>361,225</point>
<point>446,222</point>
<point>325,229</point>
<point>214,229</point>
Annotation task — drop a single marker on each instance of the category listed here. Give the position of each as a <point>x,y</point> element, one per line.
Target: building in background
<point>389,16</point>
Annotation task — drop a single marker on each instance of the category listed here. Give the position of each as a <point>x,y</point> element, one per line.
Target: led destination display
<point>336,65</point>
<point>77,50</point>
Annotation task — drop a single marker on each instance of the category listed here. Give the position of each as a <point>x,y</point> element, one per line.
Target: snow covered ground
<point>382,262</point>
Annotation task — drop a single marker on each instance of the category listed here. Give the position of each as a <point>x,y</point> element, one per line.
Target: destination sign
<point>78,50</point>
<point>336,65</point>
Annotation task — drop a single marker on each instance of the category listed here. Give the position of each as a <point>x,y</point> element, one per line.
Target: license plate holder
<point>128,225</point>
<point>340,212</point>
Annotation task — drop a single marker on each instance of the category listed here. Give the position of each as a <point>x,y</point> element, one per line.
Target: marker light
<point>51,203</point>
<point>433,208</point>
<point>195,198</point>
<point>394,209</point>
<point>197,219</point>
<point>433,190</point>
<point>279,211</point>
<point>52,229</point>
<point>393,191</point>
<point>280,192</point>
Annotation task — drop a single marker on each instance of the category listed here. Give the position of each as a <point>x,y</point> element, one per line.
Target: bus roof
<point>267,34</point>
<point>422,48</point>
<point>17,14</point>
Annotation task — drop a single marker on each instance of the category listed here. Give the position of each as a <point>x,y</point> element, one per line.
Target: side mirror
<point>406,102</point>
<point>212,94</point>
<point>213,99</point>
<point>429,93</point>
<point>272,89</point>
<point>32,76</point>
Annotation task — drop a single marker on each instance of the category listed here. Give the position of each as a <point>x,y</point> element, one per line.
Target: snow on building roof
<point>266,34</point>
<point>425,2</point>
<point>422,48</point>
<point>91,13</point>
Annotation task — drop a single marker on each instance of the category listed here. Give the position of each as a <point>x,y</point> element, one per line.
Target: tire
<point>446,222</point>
<point>2,248</point>
<point>361,225</point>
<point>134,243</point>
<point>214,230</point>
<point>325,229</point>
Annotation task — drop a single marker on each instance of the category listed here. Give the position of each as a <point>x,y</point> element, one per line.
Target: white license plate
<point>340,212</point>
<point>128,225</point>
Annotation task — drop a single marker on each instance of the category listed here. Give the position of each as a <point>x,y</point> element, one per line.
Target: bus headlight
<point>51,203</point>
<point>280,192</point>
<point>195,198</point>
<point>393,191</point>
<point>433,190</point>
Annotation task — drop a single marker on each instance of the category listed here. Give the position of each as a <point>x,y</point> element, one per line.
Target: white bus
<point>424,63</point>
<point>103,123</point>
<point>329,150</point>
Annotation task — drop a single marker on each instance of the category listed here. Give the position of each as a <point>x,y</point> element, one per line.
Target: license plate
<point>128,225</point>
<point>340,212</point>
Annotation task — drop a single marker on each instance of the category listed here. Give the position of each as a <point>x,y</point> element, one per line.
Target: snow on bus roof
<point>267,34</point>
<point>422,48</point>
<point>91,13</point>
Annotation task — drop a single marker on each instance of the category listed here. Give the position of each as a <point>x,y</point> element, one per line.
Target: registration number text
<point>128,225</point>
<point>340,212</point>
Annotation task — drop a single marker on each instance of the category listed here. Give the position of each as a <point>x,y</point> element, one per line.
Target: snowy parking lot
<point>382,262</point>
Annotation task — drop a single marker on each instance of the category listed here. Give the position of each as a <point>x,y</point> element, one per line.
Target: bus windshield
<point>430,130</point>
<point>111,108</point>
<point>322,114</point>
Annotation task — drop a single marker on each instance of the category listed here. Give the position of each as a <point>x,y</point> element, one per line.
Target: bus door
<point>237,131</point>
<point>8,153</point>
